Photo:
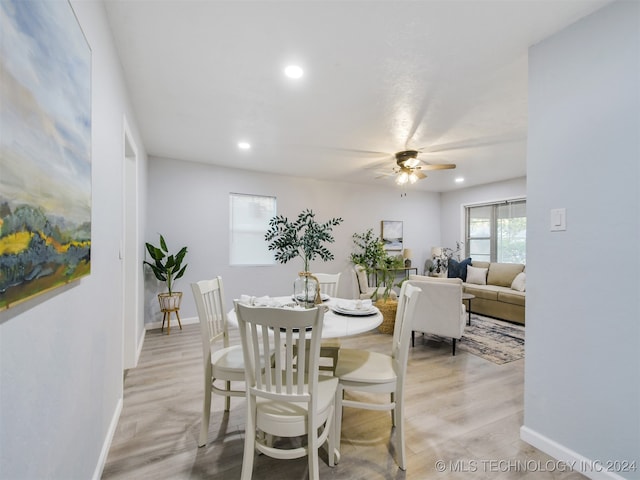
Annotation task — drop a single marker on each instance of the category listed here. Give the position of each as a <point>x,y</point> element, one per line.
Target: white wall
<point>582,374</point>
<point>453,202</point>
<point>196,214</point>
<point>61,353</point>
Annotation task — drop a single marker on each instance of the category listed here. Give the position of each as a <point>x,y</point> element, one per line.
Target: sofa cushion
<point>488,292</point>
<point>424,278</point>
<point>477,275</point>
<point>519,283</point>
<point>513,297</point>
<point>502,274</point>
<point>458,269</point>
<point>479,264</point>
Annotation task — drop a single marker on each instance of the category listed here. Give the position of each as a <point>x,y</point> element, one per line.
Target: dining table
<point>342,318</point>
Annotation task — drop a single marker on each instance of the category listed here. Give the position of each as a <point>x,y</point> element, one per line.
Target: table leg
<point>469,310</point>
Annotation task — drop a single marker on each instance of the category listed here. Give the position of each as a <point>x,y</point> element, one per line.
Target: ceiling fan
<point>409,167</point>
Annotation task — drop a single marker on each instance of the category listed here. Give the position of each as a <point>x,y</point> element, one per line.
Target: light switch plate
<point>558,219</point>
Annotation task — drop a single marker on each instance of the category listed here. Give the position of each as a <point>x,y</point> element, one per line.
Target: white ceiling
<point>448,77</point>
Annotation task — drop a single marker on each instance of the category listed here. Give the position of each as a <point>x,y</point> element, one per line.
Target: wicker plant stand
<point>170,303</point>
<point>388,308</point>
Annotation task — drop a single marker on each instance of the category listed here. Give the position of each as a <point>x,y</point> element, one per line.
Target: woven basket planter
<point>388,309</point>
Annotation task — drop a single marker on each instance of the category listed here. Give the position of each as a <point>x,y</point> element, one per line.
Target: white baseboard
<point>174,323</point>
<point>590,468</point>
<point>97,474</point>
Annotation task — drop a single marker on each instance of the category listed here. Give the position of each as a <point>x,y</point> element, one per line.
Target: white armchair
<point>362,288</point>
<point>440,310</point>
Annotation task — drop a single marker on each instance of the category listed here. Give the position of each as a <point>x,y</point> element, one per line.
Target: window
<point>249,221</point>
<point>497,232</point>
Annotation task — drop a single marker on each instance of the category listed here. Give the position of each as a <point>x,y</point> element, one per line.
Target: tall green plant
<point>369,250</point>
<point>168,270</point>
<point>370,253</point>
<point>304,237</point>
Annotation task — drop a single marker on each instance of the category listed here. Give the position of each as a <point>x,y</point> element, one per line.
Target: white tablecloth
<point>335,325</point>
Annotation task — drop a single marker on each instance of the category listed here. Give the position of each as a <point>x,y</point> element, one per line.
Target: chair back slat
<point>212,313</point>
<point>329,283</point>
<point>278,337</point>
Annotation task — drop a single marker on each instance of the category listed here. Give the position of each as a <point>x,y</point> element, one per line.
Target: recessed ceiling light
<point>244,145</point>
<point>293,71</point>
<point>459,180</point>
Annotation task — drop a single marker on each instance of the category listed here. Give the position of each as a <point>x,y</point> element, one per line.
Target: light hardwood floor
<point>462,411</point>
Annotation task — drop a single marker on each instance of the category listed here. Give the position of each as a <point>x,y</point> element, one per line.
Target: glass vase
<point>305,289</point>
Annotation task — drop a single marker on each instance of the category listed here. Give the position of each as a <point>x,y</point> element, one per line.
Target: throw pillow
<point>477,275</point>
<point>458,269</point>
<point>519,283</point>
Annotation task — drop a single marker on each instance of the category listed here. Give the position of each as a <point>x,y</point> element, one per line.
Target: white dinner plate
<point>354,312</point>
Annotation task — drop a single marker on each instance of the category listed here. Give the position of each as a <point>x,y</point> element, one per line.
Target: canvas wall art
<point>45,149</point>
<point>392,235</point>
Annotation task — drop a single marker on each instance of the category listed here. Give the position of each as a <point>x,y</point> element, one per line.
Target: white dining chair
<point>223,363</point>
<point>379,373</point>
<point>329,283</point>
<point>285,401</point>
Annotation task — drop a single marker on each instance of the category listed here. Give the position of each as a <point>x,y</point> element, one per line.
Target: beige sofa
<point>500,297</point>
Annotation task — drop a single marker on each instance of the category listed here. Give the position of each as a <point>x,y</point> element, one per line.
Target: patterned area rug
<point>495,340</point>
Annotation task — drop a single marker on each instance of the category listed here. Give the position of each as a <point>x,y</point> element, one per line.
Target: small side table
<point>468,297</point>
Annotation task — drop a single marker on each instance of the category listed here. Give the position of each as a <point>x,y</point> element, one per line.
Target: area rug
<point>495,340</point>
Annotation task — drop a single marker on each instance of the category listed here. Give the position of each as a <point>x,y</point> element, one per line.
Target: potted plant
<point>370,253</point>
<point>167,268</point>
<point>304,238</point>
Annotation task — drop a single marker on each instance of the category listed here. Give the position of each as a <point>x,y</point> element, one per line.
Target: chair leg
<point>227,398</point>
<point>206,409</point>
<point>400,433</point>
<point>312,453</point>
<point>337,428</point>
<point>454,347</point>
<point>331,437</point>
<point>249,441</point>
<point>394,412</point>
<point>413,338</point>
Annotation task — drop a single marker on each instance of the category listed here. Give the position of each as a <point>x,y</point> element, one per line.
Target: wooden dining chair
<point>373,372</point>
<point>223,363</point>
<point>285,401</point>
<point>329,283</point>
<point>329,349</point>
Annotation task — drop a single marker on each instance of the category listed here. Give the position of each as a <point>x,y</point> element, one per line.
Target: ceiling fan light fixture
<point>402,178</point>
<point>413,178</point>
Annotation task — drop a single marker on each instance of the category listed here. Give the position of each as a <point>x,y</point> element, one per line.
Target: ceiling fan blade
<point>354,150</point>
<point>437,166</point>
<point>419,174</point>
<point>474,143</point>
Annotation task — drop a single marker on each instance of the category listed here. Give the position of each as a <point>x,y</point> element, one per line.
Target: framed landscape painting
<point>392,235</point>
<point>45,149</point>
